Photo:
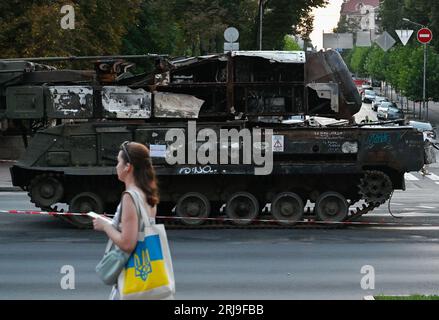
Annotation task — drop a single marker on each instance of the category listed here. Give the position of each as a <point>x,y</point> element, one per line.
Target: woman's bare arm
<point>126,240</point>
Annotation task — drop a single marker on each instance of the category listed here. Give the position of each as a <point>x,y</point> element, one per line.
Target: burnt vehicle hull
<point>75,164</point>
<point>334,164</point>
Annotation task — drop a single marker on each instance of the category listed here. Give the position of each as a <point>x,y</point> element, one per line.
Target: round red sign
<point>425,35</point>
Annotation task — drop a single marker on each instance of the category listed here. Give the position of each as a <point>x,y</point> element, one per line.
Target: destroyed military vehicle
<point>306,101</point>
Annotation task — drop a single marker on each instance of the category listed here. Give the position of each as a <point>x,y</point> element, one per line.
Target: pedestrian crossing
<point>418,176</point>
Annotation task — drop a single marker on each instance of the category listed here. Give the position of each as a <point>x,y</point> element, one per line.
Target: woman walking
<point>134,168</point>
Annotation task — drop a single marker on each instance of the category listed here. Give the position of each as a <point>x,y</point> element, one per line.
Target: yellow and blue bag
<point>148,274</point>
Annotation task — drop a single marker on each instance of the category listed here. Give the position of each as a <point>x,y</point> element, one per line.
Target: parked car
<point>362,88</point>
<point>369,96</point>
<point>389,111</point>
<point>426,128</point>
<point>430,141</point>
<point>382,112</point>
<point>378,101</point>
<point>394,113</point>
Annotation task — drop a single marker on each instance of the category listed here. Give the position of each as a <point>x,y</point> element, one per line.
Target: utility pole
<point>424,93</point>
<point>424,86</point>
<point>261,14</point>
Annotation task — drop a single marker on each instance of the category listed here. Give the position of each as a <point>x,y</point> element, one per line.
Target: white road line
<point>404,215</point>
<point>426,207</point>
<point>433,177</point>
<point>13,193</point>
<point>410,177</point>
<point>431,228</point>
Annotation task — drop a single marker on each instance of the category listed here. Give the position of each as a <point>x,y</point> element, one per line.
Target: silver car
<point>369,96</point>
<point>382,110</point>
<point>378,101</point>
<point>426,128</point>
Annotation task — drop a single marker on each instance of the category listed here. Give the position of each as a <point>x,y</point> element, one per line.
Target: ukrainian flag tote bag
<point>148,274</point>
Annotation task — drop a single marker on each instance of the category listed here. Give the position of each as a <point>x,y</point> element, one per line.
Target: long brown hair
<point>139,157</point>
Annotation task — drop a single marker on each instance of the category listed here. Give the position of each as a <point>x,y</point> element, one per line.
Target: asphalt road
<point>239,264</point>
<point>242,264</point>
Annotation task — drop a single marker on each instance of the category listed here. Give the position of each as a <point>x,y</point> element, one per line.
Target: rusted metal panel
<point>174,105</point>
<point>126,103</point>
<point>319,142</point>
<point>69,102</point>
<point>327,67</point>
<point>327,91</point>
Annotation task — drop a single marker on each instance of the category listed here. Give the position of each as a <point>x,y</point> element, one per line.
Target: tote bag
<point>148,274</point>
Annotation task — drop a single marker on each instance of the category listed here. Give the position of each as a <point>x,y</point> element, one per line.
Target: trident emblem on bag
<point>142,266</point>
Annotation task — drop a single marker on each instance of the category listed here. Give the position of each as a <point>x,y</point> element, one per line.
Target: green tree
<point>391,13</point>
<point>376,63</point>
<point>358,61</point>
<point>32,28</point>
<point>202,23</point>
<point>290,44</point>
<point>282,17</point>
<point>345,26</point>
<point>156,31</point>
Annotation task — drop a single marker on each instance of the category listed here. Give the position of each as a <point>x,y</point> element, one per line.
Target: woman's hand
<point>100,224</point>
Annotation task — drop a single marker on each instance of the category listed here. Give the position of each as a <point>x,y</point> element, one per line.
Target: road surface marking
<point>433,177</point>
<point>403,214</point>
<point>432,228</point>
<point>410,177</point>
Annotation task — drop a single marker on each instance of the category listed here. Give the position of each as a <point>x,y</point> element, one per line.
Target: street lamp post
<point>261,13</point>
<point>424,90</point>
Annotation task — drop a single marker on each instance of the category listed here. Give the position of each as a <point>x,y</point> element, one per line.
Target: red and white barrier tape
<point>252,221</point>
<point>44,213</point>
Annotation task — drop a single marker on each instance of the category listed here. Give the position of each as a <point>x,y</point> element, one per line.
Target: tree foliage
<point>283,17</point>
<point>358,61</point>
<point>174,27</point>
<point>402,66</point>
<point>290,44</point>
<point>32,28</point>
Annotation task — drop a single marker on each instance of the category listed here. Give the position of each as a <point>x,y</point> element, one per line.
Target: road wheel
<point>242,205</point>
<point>331,206</point>
<point>45,190</point>
<point>375,187</point>
<point>287,208</point>
<point>82,203</point>
<point>193,205</point>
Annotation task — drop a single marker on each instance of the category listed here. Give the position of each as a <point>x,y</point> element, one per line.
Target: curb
<point>369,298</point>
<point>8,161</point>
<point>10,189</point>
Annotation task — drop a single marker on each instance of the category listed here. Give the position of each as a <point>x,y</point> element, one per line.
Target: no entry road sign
<point>425,35</point>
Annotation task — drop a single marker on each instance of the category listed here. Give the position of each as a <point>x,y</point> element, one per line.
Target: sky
<point>325,19</point>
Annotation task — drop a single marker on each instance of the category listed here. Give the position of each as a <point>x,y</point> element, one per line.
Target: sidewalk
<point>413,110</point>
<point>5,177</point>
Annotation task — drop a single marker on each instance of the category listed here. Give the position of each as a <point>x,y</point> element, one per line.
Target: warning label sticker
<point>158,150</point>
<point>278,143</point>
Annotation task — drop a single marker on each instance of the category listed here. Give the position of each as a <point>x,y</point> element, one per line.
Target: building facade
<point>360,15</point>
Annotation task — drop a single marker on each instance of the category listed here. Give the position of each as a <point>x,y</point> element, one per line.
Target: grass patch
<point>411,297</point>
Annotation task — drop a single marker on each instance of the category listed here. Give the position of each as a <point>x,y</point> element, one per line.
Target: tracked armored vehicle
<point>305,102</point>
